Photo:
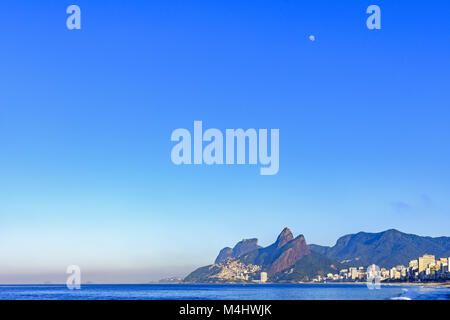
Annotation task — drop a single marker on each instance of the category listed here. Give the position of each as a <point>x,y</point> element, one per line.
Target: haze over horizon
<point>136,276</point>
<point>86,117</point>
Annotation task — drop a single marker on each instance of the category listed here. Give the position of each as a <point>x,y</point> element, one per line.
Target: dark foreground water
<point>222,292</point>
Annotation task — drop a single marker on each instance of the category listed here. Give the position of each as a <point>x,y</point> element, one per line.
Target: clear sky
<point>86,118</point>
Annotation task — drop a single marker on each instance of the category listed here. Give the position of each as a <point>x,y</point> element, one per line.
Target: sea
<point>223,292</point>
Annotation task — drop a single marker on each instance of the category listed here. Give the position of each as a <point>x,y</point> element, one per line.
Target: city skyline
<point>425,268</point>
<point>86,118</point>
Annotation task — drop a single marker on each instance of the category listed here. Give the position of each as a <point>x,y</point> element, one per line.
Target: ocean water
<point>221,292</point>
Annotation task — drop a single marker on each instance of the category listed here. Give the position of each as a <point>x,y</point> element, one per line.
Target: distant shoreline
<point>425,284</point>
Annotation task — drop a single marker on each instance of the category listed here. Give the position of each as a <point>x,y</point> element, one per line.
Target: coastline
<point>418,284</point>
<point>400,284</point>
<point>423,284</point>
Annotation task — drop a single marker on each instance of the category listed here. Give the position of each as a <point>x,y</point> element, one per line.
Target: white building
<point>263,277</point>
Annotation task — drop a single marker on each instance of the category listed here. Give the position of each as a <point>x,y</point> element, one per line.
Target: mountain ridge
<point>386,248</point>
<point>244,264</point>
<point>241,248</point>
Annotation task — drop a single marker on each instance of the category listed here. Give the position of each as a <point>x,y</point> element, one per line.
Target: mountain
<point>307,268</point>
<point>231,270</point>
<point>291,259</point>
<point>288,259</point>
<point>241,248</point>
<point>385,249</point>
<point>319,249</point>
<point>280,255</point>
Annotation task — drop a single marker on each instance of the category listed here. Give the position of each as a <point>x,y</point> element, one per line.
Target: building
<point>373,271</point>
<point>384,274</point>
<point>263,277</point>
<point>353,273</point>
<point>430,270</point>
<point>343,274</point>
<point>414,264</point>
<point>425,261</point>
<point>394,274</point>
<point>445,268</point>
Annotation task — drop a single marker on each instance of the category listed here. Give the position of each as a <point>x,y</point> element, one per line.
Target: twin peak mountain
<point>276,257</point>
<point>247,260</point>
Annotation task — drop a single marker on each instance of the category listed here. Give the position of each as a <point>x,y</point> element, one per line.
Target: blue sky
<point>86,118</point>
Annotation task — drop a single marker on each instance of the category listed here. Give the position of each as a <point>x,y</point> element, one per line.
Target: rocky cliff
<point>247,260</point>
<point>241,248</point>
<point>282,254</point>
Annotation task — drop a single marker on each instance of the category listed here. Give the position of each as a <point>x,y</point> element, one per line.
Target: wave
<point>423,293</point>
<point>400,298</point>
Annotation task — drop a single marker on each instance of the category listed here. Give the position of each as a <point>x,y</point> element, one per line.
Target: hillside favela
<point>389,257</point>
